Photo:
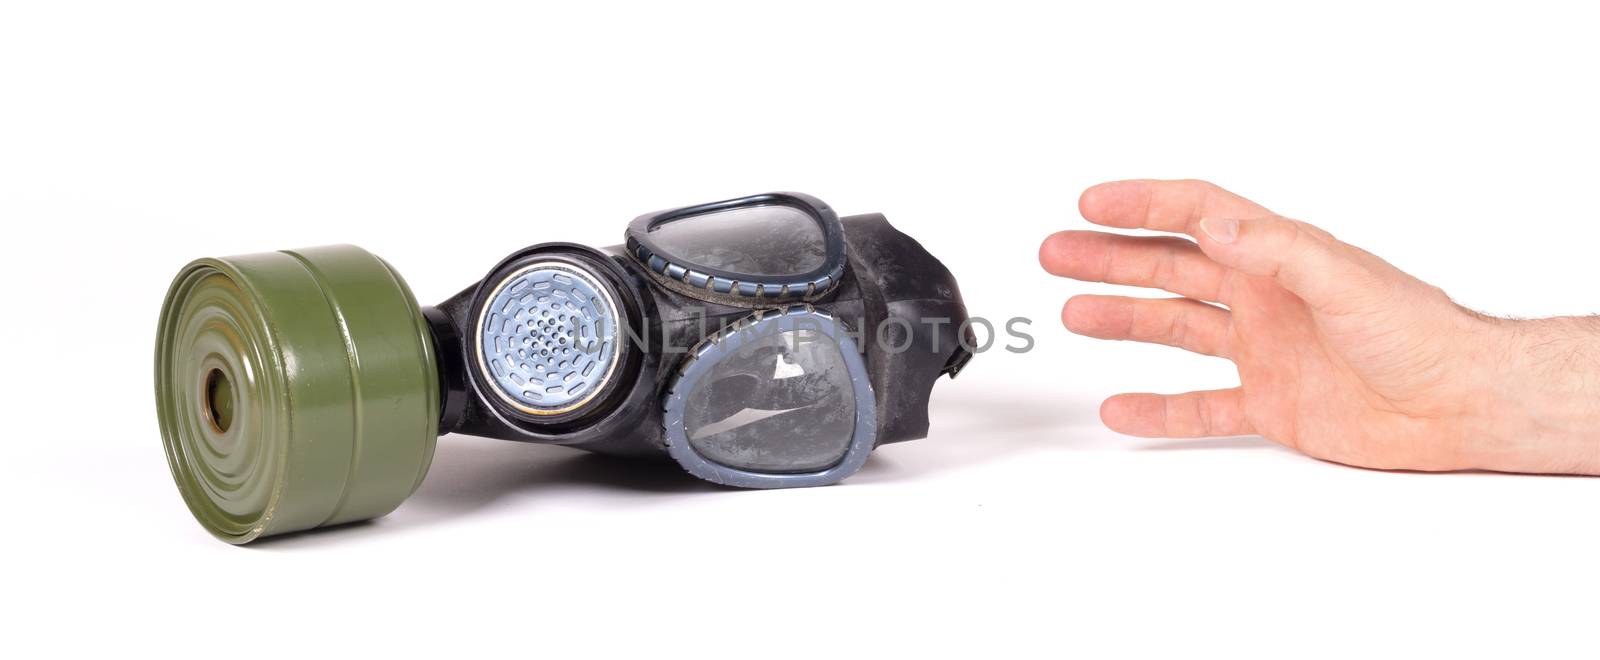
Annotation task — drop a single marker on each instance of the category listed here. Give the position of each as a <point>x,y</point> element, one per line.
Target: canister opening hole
<point>218,393</point>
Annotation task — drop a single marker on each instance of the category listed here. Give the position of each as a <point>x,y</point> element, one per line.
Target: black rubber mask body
<point>779,405</point>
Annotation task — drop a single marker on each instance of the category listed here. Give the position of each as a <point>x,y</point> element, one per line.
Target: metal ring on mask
<point>684,275</point>
<point>705,355</point>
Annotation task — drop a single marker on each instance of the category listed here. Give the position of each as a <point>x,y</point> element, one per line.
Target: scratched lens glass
<point>780,403</point>
<point>754,240</point>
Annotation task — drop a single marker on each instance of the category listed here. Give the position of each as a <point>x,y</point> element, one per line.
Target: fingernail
<point>1221,230</point>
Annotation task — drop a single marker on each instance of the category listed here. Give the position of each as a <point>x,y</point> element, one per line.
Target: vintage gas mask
<point>760,342</point>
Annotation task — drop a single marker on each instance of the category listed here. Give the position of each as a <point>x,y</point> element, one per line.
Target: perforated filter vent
<point>547,340</point>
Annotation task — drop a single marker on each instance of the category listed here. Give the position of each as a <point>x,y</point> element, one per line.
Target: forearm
<point>1543,413</point>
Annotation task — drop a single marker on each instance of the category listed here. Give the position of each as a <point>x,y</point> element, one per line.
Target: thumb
<point>1307,261</point>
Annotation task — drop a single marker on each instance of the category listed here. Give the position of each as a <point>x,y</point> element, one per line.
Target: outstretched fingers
<point>1187,324</point>
<point>1189,415</point>
<point>1168,263</point>
<point>1241,235</point>
<point>1173,206</point>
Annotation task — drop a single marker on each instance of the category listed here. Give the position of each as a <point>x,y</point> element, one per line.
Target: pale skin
<point>1340,355</point>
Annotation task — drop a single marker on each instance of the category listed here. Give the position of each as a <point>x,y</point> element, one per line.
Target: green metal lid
<point>295,389</point>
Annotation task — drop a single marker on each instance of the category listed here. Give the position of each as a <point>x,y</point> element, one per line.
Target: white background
<point>1458,142</point>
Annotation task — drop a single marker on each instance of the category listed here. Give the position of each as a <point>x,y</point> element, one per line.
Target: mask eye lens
<point>780,403</point>
<point>754,240</point>
<point>748,252</point>
<point>783,399</point>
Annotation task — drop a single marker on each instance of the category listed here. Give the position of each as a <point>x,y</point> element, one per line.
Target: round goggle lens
<point>770,240</point>
<point>779,399</point>
<point>780,403</point>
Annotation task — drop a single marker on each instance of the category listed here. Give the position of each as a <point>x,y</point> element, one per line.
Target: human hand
<point>1340,354</point>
